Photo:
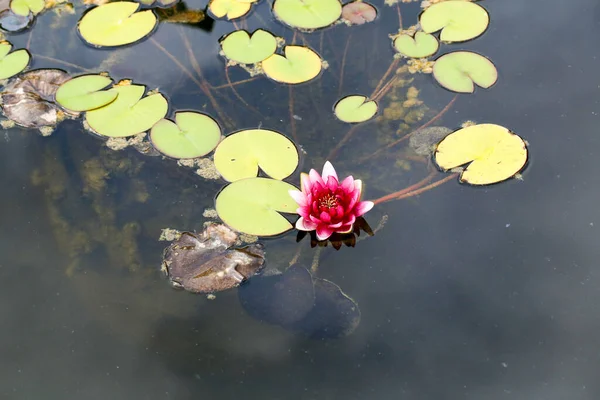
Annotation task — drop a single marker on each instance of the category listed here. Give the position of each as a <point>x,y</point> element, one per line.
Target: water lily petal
<point>348,184</point>
<point>363,207</point>
<point>303,211</point>
<point>323,232</point>
<point>335,226</point>
<point>328,171</point>
<point>315,178</point>
<point>305,225</point>
<point>346,228</point>
<point>332,183</point>
<point>325,217</point>
<point>358,186</point>
<point>299,197</point>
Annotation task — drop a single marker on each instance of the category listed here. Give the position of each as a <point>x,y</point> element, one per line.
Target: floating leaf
<point>83,93</point>
<point>308,14</point>
<point>128,115</point>
<point>240,155</point>
<point>239,46</point>
<point>11,22</point>
<point>252,206</point>
<point>355,108</point>
<point>230,8</point>
<point>358,13</point>
<point>459,20</point>
<point>458,71</point>
<point>300,64</point>
<point>116,24</point>
<point>420,46</point>
<point>13,63</point>
<point>192,135</point>
<point>24,7</point>
<point>492,152</point>
<point>29,98</point>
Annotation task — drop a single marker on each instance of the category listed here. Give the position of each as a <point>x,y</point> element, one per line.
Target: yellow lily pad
<point>116,24</point>
<point>492,152</point>
<point>420,46</point>
<point>83,93</point>
<point>24,7</point>
<point>459,71</point>
<point>459,20</point>
<point>355,108</point>
<point>239,46</point>
<point>241,154</point>
<point>307,14</point>
<point>129,114</point>
<point>299,65</point>
<point>230,8</point>
<point>192,135</point>
<point>253,206</point>
<point>13,63</point>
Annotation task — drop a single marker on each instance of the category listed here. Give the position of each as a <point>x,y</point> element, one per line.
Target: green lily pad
<point>83,93</point>
<point>299,65</point>
<point>355,108</point>
<point>230,8</point>
<point>240,155</point>
<point>13,63</point>
<point>459,20</point>
<point>239,46</point>
<point>129,114</point>
<point>116,24</point>
<point>23,7</point>
<point>420,46</point>
<point>192,135</point>
<point>253,205</point>
<point>458,71</point>
<point>308,14</point>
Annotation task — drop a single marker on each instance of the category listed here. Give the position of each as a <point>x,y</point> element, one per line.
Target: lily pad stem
<point>68,64</point>
<point>341,85</point>
<point>403,194</point>
<point>315,262</point>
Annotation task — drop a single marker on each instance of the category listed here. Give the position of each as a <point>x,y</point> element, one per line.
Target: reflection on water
<point>465,293</point>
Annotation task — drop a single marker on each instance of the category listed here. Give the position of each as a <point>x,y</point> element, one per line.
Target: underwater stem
<point>292,119</point>
<point>64,63</point>
<point>341,84</point>
<point>315,262</point>
<point>402,194</point>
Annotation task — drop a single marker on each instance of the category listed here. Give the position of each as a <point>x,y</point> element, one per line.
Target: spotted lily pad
<point>460,70</point>
<point>29,98</point>
<point>24,7</point>
<point>491,152</point>
<point>13,63</point>
<point>192,135</point>
<point>300,64</point>
<point>231,8</point>
<point>420,46</point>
<point>205,263</point>
<point>253,205</point>
<point>83,93</point>
<point>11,22</point>
<point>129,114</point>
<point>240,47</point>
<point>116,24</point>
<point>459,20</point>
<point>355,108</point>
<point>307,14</point>
<point>358,12</point>
<point>241,154</point>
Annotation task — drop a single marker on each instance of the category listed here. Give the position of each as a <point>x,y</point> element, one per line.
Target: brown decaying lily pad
<point>29,98</point>
<point>204,263</point>
<point>358,12</point>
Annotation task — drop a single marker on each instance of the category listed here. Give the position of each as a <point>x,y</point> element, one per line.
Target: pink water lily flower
<point>326,205</point>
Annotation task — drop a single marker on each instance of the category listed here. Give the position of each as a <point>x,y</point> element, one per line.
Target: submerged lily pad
<point>459,20</point>
<point>355,108</point>
<point>358,12</point>
<point>492,152</point>
<point>24,7</point>
<point>424,141</point>
<point>129,114</point>
<point>84,93</point>
<point>299,302</point>
<point>458,71</point>
<point>239,46</point>
<point>253,205</point>
<point>231,8</point>
<point>11,22</point>
<point>192,135</point>
<point>205,263</point>
<point>241,154</point>
<point>116,24</point>
<point>29,98</point>
<point>420,46</point>
<point>300,64</point>
<point>308,14</point>
<point>13,63</point>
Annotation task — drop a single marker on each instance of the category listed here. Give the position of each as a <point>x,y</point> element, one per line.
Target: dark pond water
<point>465,293</point>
